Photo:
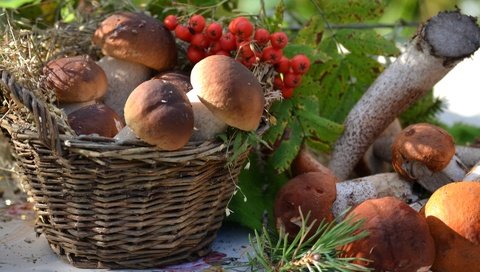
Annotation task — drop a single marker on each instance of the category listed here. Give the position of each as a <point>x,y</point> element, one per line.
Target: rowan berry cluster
<point>244,42</point>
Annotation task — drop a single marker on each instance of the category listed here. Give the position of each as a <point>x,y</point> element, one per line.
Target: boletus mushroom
<point>398,237</point>
<point>426,153</point>
<point>229,90</point>
<point>160,114</point>
<point>313,193</point>
<point>96,119</point>
<point>453,216</point>
<point>137,37</point>
<point>123,77</point>
<point>75,79</point>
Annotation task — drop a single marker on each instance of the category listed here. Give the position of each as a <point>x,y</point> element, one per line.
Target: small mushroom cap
<point>399,239</point>
<point>178,79</point>
<point>453,215</point>
<point>313,192</point>
<point>75,79</point>
<point>96,119</point>
<point>137,37</point>
<point>160,114</point>
<point>424,143</point>
<point>229,90</point>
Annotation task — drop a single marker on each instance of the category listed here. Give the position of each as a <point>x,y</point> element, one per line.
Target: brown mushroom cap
<point>229,90</point>
<point>75,79</point>
<point>425,143</point>
<point>313,192</point>
<point>96,119</point>
<point>453,215</point>
<point>305,162</point>
<point>399,239</point>
<point>139,38</point>
<point>160,114</point>
<point>178,79</point>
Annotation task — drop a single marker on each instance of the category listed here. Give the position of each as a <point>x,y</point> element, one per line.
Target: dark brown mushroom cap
<point>229,90</point>
<point>75,79</point>
<point>160,114</point>
<point>178,79</point>
<point>399,239</point>
<point>137,37</point>
<point>313,192</point>
<point>96,119</point>
<point>424,143</point>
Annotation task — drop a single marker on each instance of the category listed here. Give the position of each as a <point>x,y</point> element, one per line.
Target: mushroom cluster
<point>134,91</point>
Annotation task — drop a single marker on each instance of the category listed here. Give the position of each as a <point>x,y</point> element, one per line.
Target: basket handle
<point>46,123</point>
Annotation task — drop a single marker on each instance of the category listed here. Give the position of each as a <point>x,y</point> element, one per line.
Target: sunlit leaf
<point>366,42</point>
<point>348,11</point>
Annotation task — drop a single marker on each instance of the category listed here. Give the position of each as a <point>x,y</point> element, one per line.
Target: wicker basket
<point>104,204</point>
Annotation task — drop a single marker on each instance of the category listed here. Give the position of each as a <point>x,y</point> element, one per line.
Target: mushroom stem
<point>353,192</point>
<point>473,174</point>
<point>439,45</point>
<point>469,155</point>
<point>430,180</point>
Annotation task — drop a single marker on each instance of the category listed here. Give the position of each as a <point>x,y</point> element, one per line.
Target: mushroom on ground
<point>229,90</point>
<point>160,114</point>
<point>453,216</point>
<point>313,193</point>
<point>96,119</point>
<point>425,153</point>
<point>75,80</point>
<point>435,50</point>
<point>399,239</point>
<point>355,191</point>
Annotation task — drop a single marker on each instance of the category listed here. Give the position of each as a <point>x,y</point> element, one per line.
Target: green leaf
<point>253,202</point>
<point>15,3</point>
<point>282,114</point>
<point>319,127</point>
<point>289,146</point>
<point>366,42</point>
<point>311,33</point>
<point>348,11</point>
<point>313,54</point>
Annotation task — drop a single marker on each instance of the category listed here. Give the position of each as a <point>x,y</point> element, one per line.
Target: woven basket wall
<point>104,204</point>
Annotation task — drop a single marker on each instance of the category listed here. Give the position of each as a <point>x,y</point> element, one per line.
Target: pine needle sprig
<point>318,252</point>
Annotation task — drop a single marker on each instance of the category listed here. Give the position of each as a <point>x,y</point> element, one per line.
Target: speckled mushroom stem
<point>353,192</point>
<point>431,181</point>
<point>439,45</point>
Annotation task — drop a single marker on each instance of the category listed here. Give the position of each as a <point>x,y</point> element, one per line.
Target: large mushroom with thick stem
<point>426,153</point>
<point>229,91</point>
<point>431,54</point>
